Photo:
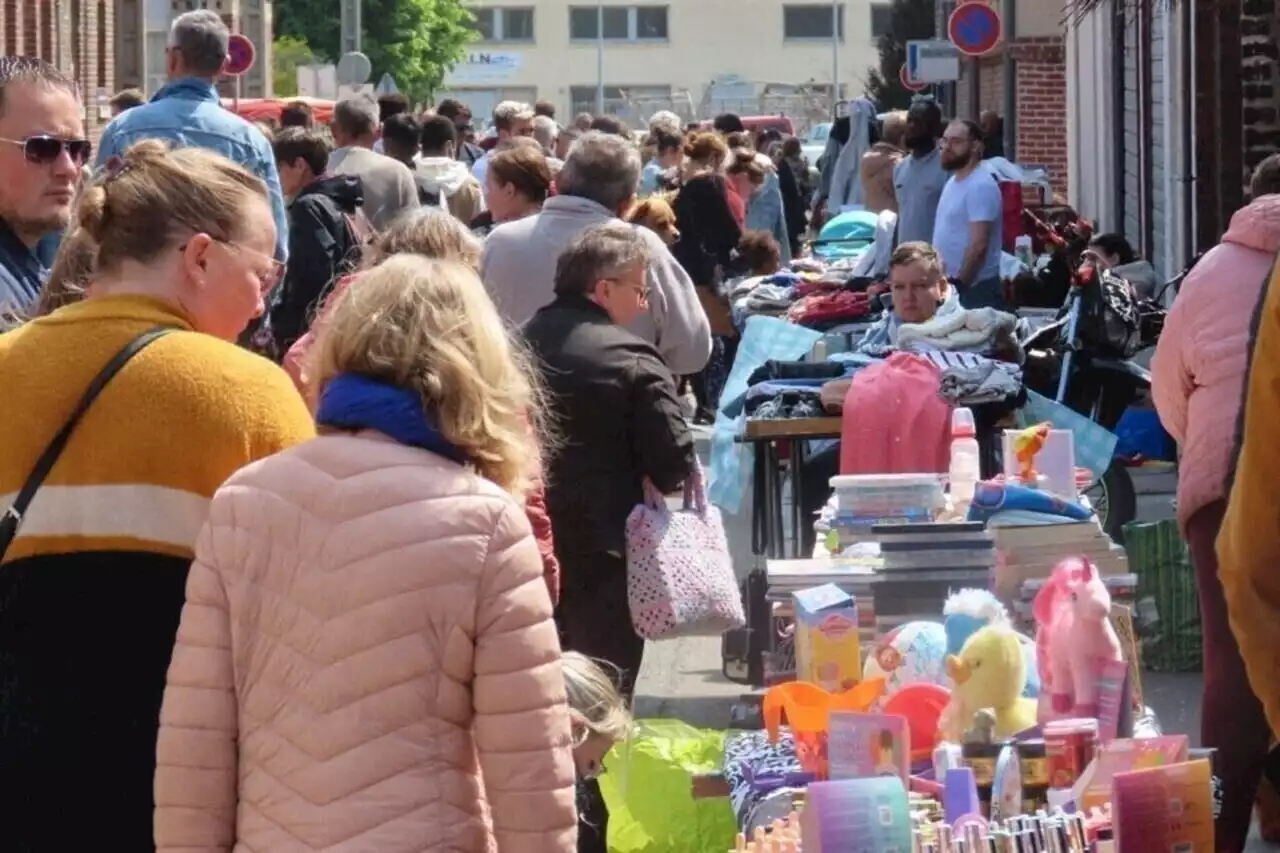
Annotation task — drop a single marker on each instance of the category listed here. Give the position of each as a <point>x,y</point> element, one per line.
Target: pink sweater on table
<point>1199,367</point>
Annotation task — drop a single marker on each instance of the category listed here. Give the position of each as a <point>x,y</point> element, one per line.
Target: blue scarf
<point>356,402</point>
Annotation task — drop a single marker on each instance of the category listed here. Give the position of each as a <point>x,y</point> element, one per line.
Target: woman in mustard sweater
<point>93,577</point>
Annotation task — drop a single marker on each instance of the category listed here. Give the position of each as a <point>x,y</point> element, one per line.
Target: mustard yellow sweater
<point>92,587</point>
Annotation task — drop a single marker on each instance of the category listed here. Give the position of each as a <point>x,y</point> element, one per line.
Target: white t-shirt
<point>976,198</point>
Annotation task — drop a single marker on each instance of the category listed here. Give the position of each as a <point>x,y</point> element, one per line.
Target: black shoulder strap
<point>13,515</point>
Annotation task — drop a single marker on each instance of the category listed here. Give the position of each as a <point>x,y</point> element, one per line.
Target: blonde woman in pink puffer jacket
<point>366,661</point>
<point>1198,382</point>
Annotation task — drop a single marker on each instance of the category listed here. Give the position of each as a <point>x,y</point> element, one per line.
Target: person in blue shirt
<point>42,150</point>
<point>188,111</point>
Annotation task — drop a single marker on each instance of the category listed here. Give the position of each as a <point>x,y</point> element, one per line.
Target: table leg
<point>797,448</point>
<point>759,502</point>
<point>778,536</point>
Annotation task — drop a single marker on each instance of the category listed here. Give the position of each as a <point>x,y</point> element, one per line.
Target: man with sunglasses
<point>42,150</point>
<point>457,112</point>
<point>188,111</point>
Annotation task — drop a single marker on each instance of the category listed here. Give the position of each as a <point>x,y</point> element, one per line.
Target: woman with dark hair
<point>836,140</point>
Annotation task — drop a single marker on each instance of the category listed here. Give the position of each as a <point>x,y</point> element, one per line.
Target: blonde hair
<point>428,231</point>
<point>894,130</point>
<point>429,326</point>
<point>153,197</point>
<point>707,149</point>
<point>69,275</point>
<point>594,700</point>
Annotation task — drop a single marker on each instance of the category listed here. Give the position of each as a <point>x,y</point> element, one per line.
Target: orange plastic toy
<point>922,705</point>
<point>807,708</point>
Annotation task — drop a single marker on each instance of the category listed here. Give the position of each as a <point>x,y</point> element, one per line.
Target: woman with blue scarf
<point>367,646</point>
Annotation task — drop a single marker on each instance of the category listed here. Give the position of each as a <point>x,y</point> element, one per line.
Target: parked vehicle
<point>813,143</point>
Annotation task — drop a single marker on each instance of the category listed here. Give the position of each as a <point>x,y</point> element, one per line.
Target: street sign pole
<point>835,54</point>
<point>599,57</point>
<point>352,13</point>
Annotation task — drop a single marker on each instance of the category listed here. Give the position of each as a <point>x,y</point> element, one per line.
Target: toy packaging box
<point>828,652</point>
<point>861,746</point>
<point>1164,808</point>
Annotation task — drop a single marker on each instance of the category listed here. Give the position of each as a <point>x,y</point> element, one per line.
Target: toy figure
<point>887,759</point>
<point>967,610</point>
<point>1026,444</point>
<point>1075,636</point>
<point>990,672</point>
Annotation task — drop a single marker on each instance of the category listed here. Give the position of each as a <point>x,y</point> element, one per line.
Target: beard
<point>954,162</point>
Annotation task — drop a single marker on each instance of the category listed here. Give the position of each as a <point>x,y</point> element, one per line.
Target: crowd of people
<point>321,442</point>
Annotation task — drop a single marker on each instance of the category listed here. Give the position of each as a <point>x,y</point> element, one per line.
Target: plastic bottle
<point>964,458</point>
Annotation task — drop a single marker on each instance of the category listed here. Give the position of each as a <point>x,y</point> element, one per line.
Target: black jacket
<point>322,249</point>
<point>709,233</point>
<point>614,404</point>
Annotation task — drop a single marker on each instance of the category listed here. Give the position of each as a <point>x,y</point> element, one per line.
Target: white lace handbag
<point>680,579</point>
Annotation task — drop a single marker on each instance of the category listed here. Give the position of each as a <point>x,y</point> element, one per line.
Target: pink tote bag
<point>680,580</point>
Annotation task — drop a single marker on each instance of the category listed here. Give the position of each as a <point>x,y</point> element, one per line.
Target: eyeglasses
<point>42,149</point>
<point>274,269</point>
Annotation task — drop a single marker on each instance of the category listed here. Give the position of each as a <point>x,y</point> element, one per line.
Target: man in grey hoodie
<point>597,184</point>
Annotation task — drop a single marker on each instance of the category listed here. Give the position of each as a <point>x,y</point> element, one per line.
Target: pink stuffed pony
<point>1074,637</point>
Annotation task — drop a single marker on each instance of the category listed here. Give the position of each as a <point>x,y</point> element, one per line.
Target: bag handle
<point>695,492</point>
<point>12,518</point>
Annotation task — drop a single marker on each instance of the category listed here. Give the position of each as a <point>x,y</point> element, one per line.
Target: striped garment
<point>92,586</point>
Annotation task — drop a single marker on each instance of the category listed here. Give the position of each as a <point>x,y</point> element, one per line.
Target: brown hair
<point>759,251</point>
<point>894,129</point>
<point>738,139</point>
<point>910,253</point>
<point>127,99</point>
<point>743,161</point>
<point>297,114</point>
<point>428,231</point>
<point>707,149</point>
<point>154,197</point>
<point>1266,178</point>
<point>526,168</point>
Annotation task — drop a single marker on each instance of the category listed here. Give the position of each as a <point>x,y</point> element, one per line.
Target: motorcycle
<point>1084,360</point>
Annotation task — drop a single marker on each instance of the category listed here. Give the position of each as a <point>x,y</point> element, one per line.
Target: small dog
<point>655,213</point>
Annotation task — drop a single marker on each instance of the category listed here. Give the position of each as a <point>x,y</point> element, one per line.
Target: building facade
<point>694,56</point>
<point>75,35</point>
<point>1024,80</point>
<point>142,27</point>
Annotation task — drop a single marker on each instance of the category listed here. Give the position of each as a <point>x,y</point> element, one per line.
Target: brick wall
<point>1042,106</point>
<point>1041,118</point>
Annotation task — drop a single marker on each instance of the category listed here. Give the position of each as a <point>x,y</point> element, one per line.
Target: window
<point>809,21</point>
<point>881,19</point>
<point>621,23</point>
<point>498,24</point>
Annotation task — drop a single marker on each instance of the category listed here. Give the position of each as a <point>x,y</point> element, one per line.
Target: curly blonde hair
<point>429,326</point>
<point>428,231</point>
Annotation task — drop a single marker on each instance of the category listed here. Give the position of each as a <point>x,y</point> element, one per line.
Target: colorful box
<point>861,746</point>
<point>1164,808</point>
<point>828,653</point>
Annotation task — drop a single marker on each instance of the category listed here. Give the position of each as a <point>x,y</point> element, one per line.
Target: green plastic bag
<point>1167,615</point>
<point>648,789</point>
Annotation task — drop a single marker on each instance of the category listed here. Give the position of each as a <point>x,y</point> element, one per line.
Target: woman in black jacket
<point>614,402</point>
<point>709,233</point>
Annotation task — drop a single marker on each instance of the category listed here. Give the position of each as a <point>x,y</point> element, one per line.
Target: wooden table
<point>768,533</point>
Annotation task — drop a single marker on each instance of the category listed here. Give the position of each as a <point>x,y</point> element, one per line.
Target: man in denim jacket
<point>188,111</point>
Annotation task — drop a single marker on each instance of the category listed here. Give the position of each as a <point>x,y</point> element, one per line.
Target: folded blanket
<point>973,330</point>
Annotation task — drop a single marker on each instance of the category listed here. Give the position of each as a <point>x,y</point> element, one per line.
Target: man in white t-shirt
<point>966,232</point>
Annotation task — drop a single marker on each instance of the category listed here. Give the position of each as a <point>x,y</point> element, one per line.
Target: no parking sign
<point>974,28</point>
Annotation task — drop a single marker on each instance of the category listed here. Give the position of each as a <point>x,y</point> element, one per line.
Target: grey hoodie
<point>519,270</point>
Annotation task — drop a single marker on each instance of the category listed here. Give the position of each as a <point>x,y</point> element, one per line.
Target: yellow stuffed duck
<point>990,672</point>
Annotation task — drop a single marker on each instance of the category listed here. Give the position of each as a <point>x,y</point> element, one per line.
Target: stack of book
<point>1122,588</point>
<point>924,563</point>
<point>1030,551</point>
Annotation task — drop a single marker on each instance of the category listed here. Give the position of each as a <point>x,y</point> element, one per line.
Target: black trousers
<point>594,619</point>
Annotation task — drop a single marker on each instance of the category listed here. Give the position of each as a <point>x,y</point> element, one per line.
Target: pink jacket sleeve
<point>1171,378</point>
<point>521,716</point>
<point>196,752</point>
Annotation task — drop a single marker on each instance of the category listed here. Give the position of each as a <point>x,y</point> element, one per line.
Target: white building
<point>696,56</point>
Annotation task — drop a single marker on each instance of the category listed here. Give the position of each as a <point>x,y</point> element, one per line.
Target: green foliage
<point>287,54</point>
<point>909,20</point>
<point>416,41</point>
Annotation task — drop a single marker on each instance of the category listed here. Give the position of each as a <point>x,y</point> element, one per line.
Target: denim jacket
<point>22,273</point>
<point>765,213</point>
<point>189,112</point>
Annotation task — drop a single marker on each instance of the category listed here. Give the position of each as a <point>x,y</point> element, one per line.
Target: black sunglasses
<point>43,149</point>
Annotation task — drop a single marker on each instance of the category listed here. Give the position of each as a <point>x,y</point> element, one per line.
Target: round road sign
<point>909,84</point>
<point>354,68</point>
<point>974,28</point>
<point>240,55</point>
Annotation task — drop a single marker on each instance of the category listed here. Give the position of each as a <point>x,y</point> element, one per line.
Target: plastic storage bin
<point>884,496</point>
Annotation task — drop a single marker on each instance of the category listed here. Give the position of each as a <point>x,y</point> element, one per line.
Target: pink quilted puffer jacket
<point>367,634</point>
<point>1199,366</point>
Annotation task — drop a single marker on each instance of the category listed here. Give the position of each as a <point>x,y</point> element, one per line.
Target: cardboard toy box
<point>828,653</point>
